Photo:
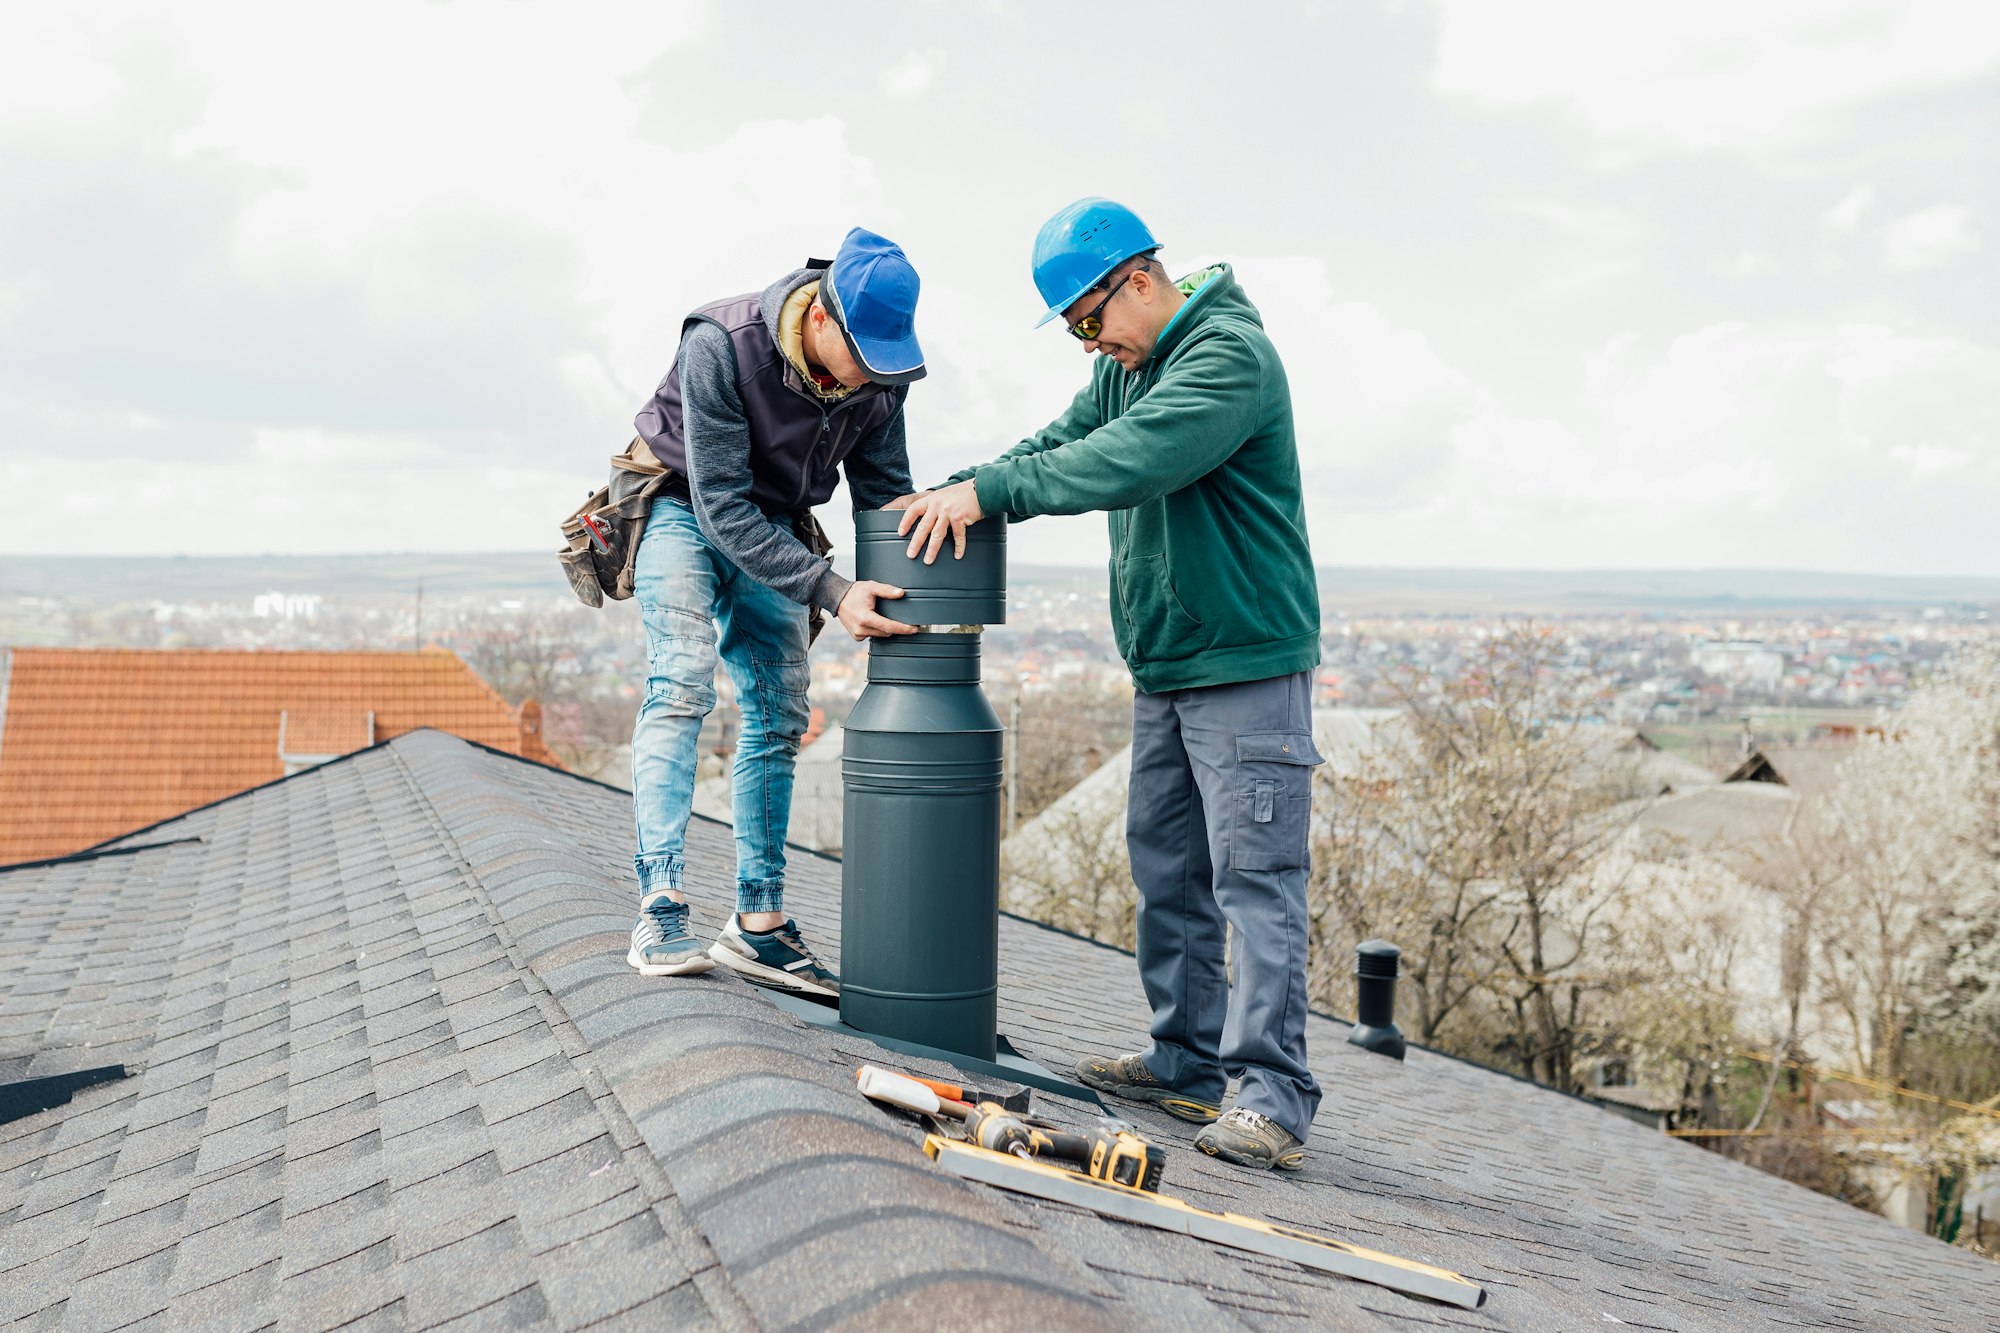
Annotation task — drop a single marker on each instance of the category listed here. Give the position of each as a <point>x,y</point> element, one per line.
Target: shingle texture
<point>393,1071</point>
<point>95,742</point>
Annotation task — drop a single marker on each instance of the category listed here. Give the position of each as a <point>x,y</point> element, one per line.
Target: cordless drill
<point>1111,1151</point>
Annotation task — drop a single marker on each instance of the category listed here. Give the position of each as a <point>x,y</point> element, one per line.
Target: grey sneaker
<point>661,945</point>
<point>1127,1076</point>
<point>1250,1139</point>
<point>775,958</point>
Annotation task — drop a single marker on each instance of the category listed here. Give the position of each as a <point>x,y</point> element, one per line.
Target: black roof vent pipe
<point>1375,965</point>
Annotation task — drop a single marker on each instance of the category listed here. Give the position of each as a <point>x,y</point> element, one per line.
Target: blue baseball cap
<point>871,288</point>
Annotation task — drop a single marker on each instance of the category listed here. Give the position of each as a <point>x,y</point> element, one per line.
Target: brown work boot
<point>1250,1139</point>
<point>1127,1076</point>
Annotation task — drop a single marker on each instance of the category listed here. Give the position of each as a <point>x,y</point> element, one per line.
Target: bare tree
<point>1666,1003</point>
<point>590,732</point>
<point>1904,876</point>
<point>519,653</point>
<point>1066,864</point>
<point>1070,868</point>
<point>1060,737</point>
<point>1477,836</point>
<point>542,651</point>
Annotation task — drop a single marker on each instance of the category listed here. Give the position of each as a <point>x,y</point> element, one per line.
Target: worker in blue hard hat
<point>1184,437</point>
<point>771,397</point>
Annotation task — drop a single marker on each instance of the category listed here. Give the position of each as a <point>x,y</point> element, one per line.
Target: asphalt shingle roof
<point>393,1070</point>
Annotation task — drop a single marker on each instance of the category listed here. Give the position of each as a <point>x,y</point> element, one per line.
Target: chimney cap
<point>1377,958</point>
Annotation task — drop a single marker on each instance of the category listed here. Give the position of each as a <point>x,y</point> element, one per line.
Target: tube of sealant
<point>880,1085</point>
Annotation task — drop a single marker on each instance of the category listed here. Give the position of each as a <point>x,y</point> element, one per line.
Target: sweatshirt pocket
<point>1160,626</point>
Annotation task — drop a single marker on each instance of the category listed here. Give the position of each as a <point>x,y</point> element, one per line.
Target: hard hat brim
<point>1055,311</point>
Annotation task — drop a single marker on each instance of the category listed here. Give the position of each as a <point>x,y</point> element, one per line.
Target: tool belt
<point>601,536</point>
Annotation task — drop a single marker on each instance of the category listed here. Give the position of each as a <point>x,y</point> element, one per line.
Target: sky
<point>1557,283</point>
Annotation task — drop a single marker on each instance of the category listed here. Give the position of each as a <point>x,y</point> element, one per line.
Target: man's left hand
<point>935,514</point>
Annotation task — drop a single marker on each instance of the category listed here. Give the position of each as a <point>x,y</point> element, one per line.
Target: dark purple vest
<point>796,441</point>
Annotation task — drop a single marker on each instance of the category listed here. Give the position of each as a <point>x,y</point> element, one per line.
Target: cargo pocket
<point>1273,800</point>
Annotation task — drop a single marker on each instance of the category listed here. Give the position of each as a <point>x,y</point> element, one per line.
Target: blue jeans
<point>697,607</point>
<point>1218,830</point>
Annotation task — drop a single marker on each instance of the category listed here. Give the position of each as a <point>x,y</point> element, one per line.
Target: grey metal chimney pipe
<point>1376,963</point>
<point>922,765</point>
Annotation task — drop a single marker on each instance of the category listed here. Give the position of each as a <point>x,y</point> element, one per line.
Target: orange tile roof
<point>324,731</point>
<point>95,742</point>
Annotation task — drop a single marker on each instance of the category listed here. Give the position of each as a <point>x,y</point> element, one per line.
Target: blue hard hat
<point>871,289</point>
<point>1079,245</point>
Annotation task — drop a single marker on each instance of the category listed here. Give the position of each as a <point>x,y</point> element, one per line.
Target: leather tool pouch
<point>601,537</point>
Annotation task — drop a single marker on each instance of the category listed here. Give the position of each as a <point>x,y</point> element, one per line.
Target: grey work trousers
<point>1217,828</point>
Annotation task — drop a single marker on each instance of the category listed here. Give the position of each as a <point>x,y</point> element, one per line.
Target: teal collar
<point>1208,280</point>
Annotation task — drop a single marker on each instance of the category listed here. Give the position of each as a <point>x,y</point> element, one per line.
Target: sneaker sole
<point>1180,1108</point>
<point>700,962</point>
<point>1291,1161</point>
<point>769,976</point>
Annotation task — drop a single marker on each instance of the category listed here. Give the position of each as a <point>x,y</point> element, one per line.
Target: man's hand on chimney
<point>931,517</point>
<point>860,618</point>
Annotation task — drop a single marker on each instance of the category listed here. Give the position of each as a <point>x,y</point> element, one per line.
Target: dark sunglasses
<point>1090,325</point>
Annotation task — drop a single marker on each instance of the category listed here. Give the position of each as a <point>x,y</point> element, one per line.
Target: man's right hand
<point>860,618</point>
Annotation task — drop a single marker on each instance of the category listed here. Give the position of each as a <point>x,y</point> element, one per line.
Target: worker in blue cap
<point>771,396</point>
<point>1183,437</point>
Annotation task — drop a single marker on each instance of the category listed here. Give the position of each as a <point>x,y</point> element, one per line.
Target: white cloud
<point>1803,447</point>
<point>1710,74</point>
<point>462,225</point>
<point>48,65</point>
<point>1933,238</point>
<point>1926,461</point>
<point>1746,265</point>
<point>398,159</point>
<point>1373,404</point>
<point>1861,446</point>
<point>913,74</point>
<point>325,496</point>
<point>1853,206</point>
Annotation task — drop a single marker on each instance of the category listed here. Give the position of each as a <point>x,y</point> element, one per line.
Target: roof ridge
<point>733,1312</point>
<point>547,901</point>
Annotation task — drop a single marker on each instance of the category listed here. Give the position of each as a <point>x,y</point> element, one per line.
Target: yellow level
<point>1026,1176</point>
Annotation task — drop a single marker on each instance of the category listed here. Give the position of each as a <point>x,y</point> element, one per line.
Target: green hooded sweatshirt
<point>1194,459</point>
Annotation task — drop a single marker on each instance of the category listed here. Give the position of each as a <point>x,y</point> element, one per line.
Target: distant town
<point>1704,662</point>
